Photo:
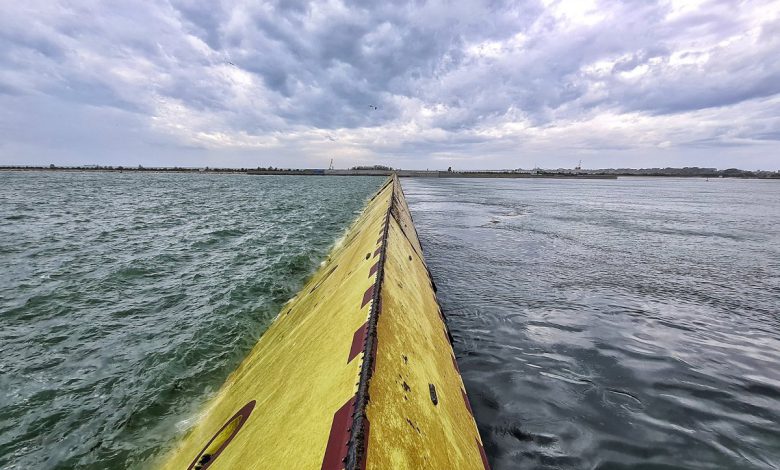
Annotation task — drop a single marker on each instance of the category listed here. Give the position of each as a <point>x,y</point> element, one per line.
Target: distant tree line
<point>372,167</point>
<point>173,169</point>
<point>690,171</point>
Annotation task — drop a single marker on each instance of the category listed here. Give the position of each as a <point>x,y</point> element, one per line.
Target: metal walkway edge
<point>356,372</point>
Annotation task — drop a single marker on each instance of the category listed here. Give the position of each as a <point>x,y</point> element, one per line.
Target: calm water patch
<point>612,324</point>
<point>126,299</point>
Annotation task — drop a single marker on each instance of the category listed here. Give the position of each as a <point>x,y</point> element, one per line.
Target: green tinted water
<point>126,299</point>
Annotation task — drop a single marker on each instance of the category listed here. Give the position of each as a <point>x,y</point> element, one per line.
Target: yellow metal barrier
<point>356,372</point>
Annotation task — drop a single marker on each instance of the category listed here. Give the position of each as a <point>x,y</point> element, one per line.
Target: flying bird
<point>371,106</point>
<point>330,138</point>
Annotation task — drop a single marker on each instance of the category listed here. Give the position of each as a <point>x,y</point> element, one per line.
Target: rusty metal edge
<point>358,440</point>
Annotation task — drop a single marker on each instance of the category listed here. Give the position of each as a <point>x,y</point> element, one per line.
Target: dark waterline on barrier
<point>127,299</point>
<point>612,324</point>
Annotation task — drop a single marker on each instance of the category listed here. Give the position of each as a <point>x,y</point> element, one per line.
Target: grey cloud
<point>768,136</point>
<point>306,65</point>
<point>715,142</point>
<point>204,20</point>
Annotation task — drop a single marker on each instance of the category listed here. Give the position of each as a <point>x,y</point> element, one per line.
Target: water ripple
<point>126,299</point>
<point>612,324</point>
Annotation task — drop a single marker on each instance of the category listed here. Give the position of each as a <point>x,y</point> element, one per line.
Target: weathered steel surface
<point>356,371</point>
<point>418,409</point>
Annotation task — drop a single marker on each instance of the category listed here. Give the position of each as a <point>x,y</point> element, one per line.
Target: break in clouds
<point>410,84</point>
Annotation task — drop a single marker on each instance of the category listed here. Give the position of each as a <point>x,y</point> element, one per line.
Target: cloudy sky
<point>416,84</point>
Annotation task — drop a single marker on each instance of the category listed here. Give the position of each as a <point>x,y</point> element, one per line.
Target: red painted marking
<point>482,454</point>
<point>373,269</point>
<point>336,450</point>
<point>368,296</point>
<point>358,341</point>
<point>378,250</point>
<point>466,400</point>
<point>455,363</point>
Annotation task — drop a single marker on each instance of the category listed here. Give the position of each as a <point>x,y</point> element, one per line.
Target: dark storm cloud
<point>202,19</point>
<point>446,77</point>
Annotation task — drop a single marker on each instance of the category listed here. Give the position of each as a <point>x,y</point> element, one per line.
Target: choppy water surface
<point>126,299</point>
<point>612,324</point>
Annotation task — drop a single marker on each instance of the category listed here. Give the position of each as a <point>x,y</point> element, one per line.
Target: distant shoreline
<point>105,169</point>
<point>431,174</point>
<point>558,173</point>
